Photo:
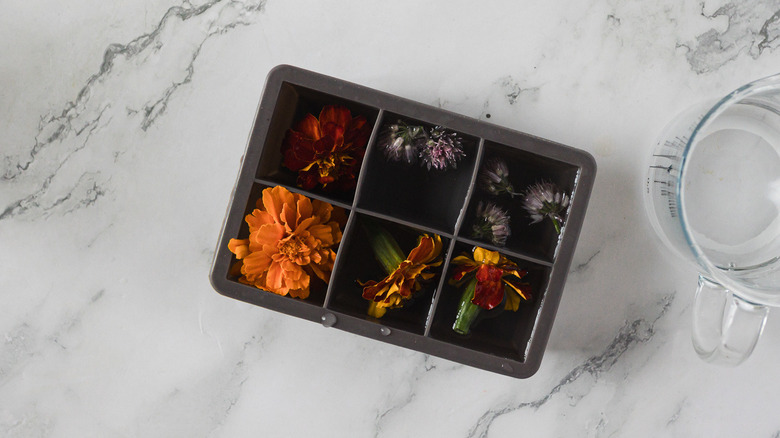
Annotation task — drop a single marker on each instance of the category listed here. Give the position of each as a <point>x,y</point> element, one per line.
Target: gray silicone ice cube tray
<point>408,201</point>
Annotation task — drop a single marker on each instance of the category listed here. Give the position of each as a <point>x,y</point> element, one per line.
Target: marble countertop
<point>124,124</point>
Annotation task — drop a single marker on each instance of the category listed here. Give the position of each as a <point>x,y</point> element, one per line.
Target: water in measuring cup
<point>731,192</point>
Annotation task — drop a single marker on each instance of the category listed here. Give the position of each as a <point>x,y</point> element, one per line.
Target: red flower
<point>493,272</point>
<point>327,150</point>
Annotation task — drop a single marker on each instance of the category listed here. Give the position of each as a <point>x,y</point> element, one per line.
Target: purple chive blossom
<point>400,141</point>
<point>492,224</point>
<point>545,200</point>
<point>494,178</point>
<point>442,150</point>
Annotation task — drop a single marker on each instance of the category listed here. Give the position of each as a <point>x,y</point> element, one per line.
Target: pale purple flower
<point>544,199</point>
<point>442,150</point>
<point>492,224</point>
<point>494,177</point>
<point>401,142</point>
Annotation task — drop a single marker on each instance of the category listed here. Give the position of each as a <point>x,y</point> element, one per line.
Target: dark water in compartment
<point>358,263</point>
<point>538,240</point>
<point>293,104</point>
<point>412,192</point>
<point>500,332</point>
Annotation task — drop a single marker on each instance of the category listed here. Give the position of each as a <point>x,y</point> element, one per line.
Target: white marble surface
<point>123,125</point>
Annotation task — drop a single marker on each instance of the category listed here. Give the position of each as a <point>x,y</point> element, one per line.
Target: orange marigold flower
<point>400,284</point>
<point>290,238</point>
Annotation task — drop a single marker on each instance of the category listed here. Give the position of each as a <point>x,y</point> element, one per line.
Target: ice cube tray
<point>407,201</point>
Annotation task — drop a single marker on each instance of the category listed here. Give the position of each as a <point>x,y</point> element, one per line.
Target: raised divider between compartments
<point>458,224</point>
<point>370,147</point>
<point>345,236</point>
<point>307,193</point>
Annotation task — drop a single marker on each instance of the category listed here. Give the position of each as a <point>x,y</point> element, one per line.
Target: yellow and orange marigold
<point>290,238</point>
<point>403,275</point>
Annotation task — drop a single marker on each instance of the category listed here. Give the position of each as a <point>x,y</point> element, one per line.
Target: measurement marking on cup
<point>664,172</point>
<point>672,207</point>
<point>666,168</point>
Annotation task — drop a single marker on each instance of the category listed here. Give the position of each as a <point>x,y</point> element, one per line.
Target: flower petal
<point>337,115</point>
<point>296,277</point>
<point>275,278</point>
<point>464,260</point>
<point>256,265</point>
<point>335,232</point>
<point>304,210</point>
<point>321,210</point>
<point>299,293</point>
<point>309,127</point>
<point>321,274</point>
<point>356,137</point>
<point>460,272</point>
<point>489,291</point>
<point>308,180</point>
<point>257,219</point>
<point>239,247</point>
<point>268,234</point>
<point>428,248</point>
<point>289,217</point>
<point>323,233</point>
<point>512,300</point>
<point>334,132</point>
<point>274,200</point>
<point>324,146</point>
<point>522,290</point>
<point>298,151</point>
<point>372,288</point>
<point>484,256</point>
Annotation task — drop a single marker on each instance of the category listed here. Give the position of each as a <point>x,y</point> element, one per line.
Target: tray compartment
<point>538,240</point>
<point>411,192</point>
<point>318,288</point>
<point>357,262</point>
<point>292,104</point>
<point>505,334</point>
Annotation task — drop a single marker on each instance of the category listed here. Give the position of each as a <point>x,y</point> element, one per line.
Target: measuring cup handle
<point>725,327</point>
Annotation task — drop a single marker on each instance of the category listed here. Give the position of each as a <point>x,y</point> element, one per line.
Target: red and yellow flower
<point>290,238</point>
<point>492,271</point>
<point>327,150</point>
<point>492,280</point>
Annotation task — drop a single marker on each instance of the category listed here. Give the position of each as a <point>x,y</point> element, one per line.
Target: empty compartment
<point>358,263</point>
<point>525,169</point>
<point>412,191</point>
<point>293,105</point>
<point>300,240</point>
<point>501,332</point>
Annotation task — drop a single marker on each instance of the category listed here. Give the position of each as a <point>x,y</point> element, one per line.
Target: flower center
<point>292,246</point>
<point>332,162</point>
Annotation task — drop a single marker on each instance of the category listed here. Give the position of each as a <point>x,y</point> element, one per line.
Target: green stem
<point>557,225</point>
<point>467,311</point>
<point>386,249</point>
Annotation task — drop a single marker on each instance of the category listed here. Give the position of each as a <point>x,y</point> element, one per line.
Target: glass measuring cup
<point>713,197</point>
